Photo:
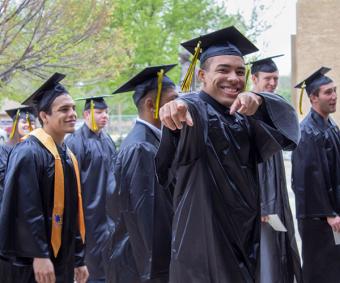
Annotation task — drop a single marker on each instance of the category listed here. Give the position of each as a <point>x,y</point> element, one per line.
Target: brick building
<point>316,44</point>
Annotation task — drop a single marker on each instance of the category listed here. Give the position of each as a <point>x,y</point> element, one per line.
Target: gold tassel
<point>14,124</point>
<point>186,84</point>
<point>247,78</point>
<point>93,121</point>
<point>301,97</point>
<point>160,76</point>
<point>28,121</point>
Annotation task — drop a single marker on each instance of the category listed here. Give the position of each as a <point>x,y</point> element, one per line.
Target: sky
<point>276,40</point>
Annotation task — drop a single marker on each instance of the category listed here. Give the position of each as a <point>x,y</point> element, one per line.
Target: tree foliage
<point>99,44</point>
<point>39,37</point>
<point>157,27</point>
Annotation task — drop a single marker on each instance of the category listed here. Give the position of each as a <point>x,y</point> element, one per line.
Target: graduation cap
<point>94,102</point>
<point>227,41</point>
<point>22,112</point>
<point>44,96</point>
<point>313,82</point>
<point>266,65</point>
<point>151,78</point>
<point>98,102</point>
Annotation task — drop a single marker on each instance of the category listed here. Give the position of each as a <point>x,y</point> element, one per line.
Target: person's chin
<point>332,110</point>
<point>227,101</point>
<point>70,129</point>
<point>24,132</point>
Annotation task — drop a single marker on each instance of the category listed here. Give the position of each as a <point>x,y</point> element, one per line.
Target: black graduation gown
<point>216,225</point>
<point>4,152</point>
<point>280,259</point>
<point>316,184</point>
<point>26,213</point>
<point>95,155</point>
<point>139,248</point>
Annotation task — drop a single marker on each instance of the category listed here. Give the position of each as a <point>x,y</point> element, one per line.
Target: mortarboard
<point>98,102</point>
<point>94,102</point>
<point>266,65</point>
<point>313,82</point>
<point>22,112</point>
<point>44,96</point>
<point>151,78</point>
<point>227,41</point>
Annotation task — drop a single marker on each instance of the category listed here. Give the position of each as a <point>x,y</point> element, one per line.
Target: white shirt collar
<point>157,131</point>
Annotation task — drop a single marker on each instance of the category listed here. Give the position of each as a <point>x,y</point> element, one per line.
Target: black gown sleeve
<point>272,185</point>
<point>138,189</point>
<point>26,235</point>
<point>4,151</point>
<point>75,144</point>
<point>311,177</point>
<point>275,126</point>
<point>186,145</point>
<point>79,251</point>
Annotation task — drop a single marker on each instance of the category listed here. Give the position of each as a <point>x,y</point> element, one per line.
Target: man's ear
<point>149,104</point>
<point>43,117</point>
<point>313,98</point>
<point>201,75</point>
<point>254,78</point>
<point>86,114</point>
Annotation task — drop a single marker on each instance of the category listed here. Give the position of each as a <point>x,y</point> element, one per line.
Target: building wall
<point>316,44</point>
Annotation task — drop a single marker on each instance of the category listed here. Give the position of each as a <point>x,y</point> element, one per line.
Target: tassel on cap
<point>28,121</point>
<point>247,75</point>
<point>160,76</point>
<point>186,84</point>
<point>94,126</point>
<point>14,124</point>
<point>301,97</point>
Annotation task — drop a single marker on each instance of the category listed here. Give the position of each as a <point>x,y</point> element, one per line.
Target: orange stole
<point>59,190</point>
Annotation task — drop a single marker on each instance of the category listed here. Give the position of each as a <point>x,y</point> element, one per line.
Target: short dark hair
<point>152,94</point>
<point>315,92</point>
<point>47,107</point>
<point>48,112</point>
<point>206,64</point>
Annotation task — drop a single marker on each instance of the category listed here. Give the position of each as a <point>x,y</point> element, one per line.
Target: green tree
<point>99,44</point>
<point>157,27</point>
<point>39,37</point>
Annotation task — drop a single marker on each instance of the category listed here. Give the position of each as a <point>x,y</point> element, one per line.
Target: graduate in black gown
<point>316,181</point>
<point>41,219</point>
<point>141,208</point>
<point>280,259</point>
<point>23,123</point>
<point>95,151</point>
<point>212,151</point>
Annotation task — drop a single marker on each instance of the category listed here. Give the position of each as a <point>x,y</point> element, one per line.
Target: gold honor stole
<point>59,190</point>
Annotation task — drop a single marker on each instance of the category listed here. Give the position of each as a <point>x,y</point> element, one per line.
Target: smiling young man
<point>140,207</point>
<point>95,151</point>
<point>316,181</point>
<point>211,143</point>
<point>41,221</point>
<point>280,259</point>
<point>265,75</point>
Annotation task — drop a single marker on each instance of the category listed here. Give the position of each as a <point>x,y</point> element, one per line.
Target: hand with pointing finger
<point>246,103</point>
<point>174,113</point>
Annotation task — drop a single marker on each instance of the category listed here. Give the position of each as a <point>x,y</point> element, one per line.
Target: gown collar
<point>319,120</point>
<point>216,105</point>
<point>154,129</point>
